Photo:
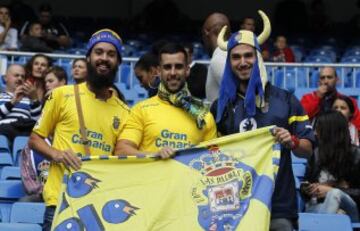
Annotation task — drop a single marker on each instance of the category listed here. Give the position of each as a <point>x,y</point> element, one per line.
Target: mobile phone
<point>305,184</point>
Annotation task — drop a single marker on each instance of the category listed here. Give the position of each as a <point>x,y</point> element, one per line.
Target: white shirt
<point>215,74</point>
<point>11,39</point>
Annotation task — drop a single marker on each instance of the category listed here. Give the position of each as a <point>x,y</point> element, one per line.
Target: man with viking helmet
<point>248,101</point>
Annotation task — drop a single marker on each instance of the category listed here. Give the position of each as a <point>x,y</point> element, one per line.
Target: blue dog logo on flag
<point>223,193</point>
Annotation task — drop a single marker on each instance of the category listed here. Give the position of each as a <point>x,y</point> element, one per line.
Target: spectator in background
<point>55,77</point>
<point>344,105</point>
<point>55,33</point>
<point>34,166</point>
<point>210,30</point>
<point>79,70</point>
<point>147,71</point>
<point>8,34</point>
<point>34,41</point>
<point>248,23</point>
<point>323,98</point>
<point>197,79</point>
<point>35,69</point>
<point>19,104</point>
<point>333,171</point>
<point>282,52</point>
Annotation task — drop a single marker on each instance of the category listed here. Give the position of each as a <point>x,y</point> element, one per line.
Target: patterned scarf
<point>183,99</point>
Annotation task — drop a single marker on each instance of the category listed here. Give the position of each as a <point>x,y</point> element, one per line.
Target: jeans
<point>336,199</point>
<point>48,217</point>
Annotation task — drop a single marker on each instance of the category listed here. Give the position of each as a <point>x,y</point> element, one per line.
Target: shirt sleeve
<point>14,38</point>
<point>299,121</point>
<point>50,115</point>
<point>134,126</point>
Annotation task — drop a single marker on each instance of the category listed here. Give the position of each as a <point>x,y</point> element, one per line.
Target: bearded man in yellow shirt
<point>103,115</point>
<point>170,120</point>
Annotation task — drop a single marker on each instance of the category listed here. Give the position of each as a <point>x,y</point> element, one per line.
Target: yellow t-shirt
<point>103,119</point>
<point>154,123</point>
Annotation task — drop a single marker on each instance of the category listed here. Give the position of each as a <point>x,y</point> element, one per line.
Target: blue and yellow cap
<point>105,35</point>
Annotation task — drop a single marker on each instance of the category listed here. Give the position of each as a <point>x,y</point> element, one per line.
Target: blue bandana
<point>230,82</point>
<point>105,35</point>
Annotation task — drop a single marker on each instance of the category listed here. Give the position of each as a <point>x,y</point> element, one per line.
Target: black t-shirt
<point>283,110</point>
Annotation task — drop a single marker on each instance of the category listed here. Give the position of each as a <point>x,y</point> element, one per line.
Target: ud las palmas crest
<point>223,192</point>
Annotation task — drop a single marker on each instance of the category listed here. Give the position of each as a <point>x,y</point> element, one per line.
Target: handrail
<point>207,62</point>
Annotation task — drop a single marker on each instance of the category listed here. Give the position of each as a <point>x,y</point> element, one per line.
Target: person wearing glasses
<point>323,98</point>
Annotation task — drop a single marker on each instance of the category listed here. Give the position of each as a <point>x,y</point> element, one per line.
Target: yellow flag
<point>222,184</point>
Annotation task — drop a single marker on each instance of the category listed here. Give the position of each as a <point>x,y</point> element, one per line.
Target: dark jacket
<point>313,171</point>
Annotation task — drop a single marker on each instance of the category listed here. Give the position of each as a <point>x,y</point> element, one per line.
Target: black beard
<point>99,81</point>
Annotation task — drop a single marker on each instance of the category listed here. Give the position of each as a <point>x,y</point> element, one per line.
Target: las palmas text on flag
<point>222,184</point>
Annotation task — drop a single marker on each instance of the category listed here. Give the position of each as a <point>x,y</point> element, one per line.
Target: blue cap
<point>107,36</point>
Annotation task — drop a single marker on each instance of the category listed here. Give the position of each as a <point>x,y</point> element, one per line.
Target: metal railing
<point>343,69</point>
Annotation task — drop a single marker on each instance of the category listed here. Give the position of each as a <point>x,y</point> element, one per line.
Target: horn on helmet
<point>267,28</point>
<point>220,39</point>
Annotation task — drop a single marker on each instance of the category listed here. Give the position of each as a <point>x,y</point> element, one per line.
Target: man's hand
<point>322,90</point>
<point>18,95</point>
<point>283,136</point>
<point>68,158</point>
<point>166,152</point>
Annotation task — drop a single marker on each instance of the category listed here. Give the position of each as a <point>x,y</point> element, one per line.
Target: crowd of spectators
<point>166,70</point>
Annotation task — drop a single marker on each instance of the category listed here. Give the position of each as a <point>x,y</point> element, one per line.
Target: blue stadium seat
<point>318,59</point>
<point>19,227</point>
<point>353,92</point>
<point>27,212</point>
<point>328,222</point>
<point>11,189</point>
<point>297,160</point>
<point>324,52</point>
<point>298,52</point>
<point>5,159</point>
<point>141,92</point>
<point>19,144</point>
<point>5,210</point>
<point>10,173</point>
<point>4,144</point>
<point>124,75</point>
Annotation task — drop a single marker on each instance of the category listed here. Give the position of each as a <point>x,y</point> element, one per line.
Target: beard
<point>101,81</point>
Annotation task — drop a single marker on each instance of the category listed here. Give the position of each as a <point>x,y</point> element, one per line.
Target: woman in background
<point>332,182</point>
<point>345,105</point>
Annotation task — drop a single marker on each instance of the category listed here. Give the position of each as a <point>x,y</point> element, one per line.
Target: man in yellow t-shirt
<point>172,119</point>
<point>104,117</point>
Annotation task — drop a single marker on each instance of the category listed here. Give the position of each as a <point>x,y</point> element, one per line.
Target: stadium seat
<point>19,144</point>
<point>141,92</point>
<point>297,160</point>
<point>27,212</point>
<point>5,210</point>
<point>124,72</point>
<point>318,59</point>
<point>19,227</point>
<point>4,144</point>
<point>324,52</point>
<point>11,190</point>
<point>299,92</point>
<point>5,159</point>
<point>328,222</point>
<point>10,173</point>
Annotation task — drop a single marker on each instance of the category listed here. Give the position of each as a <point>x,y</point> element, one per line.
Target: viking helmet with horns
<point>254,96</point>
<point>245,36</point>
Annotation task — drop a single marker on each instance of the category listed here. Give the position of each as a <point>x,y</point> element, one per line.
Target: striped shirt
<point>24,109</point>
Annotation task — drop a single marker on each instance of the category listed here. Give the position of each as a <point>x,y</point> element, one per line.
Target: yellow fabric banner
<point>222,184</point>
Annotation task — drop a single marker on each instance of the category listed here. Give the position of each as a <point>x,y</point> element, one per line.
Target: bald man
<point>19,106</point>
<point>210,31</point>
